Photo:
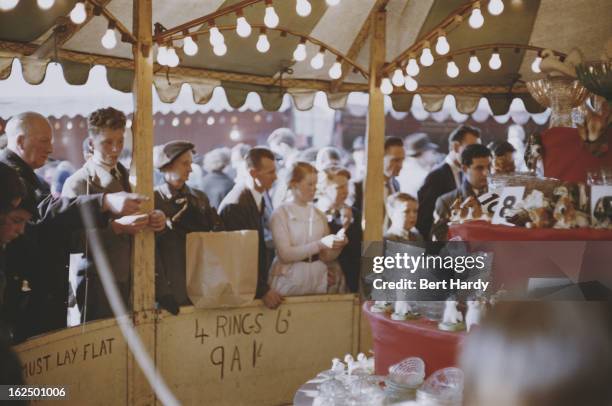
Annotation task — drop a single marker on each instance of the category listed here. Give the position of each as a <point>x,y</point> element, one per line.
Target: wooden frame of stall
<point>145,317</point>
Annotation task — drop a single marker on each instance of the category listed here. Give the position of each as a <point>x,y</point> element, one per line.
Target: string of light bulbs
<point>167,55</point>
<point>406,78</point>
<point>78,15</point>
<point>472,11</point>
<point>6,5</point>
<point>303,8</point>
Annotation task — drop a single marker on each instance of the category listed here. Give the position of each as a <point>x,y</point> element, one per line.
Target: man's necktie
<point>262,209</point>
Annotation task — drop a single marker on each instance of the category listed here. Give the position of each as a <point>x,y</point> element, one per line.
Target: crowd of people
<point>305,205</point>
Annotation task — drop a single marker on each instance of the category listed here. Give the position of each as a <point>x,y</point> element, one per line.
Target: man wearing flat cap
<point>103,173</point>
<point>187,210</point>
<point>421,156</point>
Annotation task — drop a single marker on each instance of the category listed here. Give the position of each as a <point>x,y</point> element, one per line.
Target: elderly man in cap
<point>187,210</point>
<point>36,262</point>
<point>103,173</point>
<point>421,156</point>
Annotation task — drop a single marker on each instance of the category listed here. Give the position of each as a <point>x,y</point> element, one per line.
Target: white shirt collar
<point>402,233</point>
<point>102,165</point>
<point>455,168</point>
<point>257,196</point>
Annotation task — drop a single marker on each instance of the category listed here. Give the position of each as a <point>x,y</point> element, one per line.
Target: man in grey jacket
<point>103,173</point>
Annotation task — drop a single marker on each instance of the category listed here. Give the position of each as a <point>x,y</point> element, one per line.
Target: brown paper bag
<point>221,268</point>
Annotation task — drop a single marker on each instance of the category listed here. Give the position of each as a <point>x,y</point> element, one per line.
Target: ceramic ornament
<point>403,311</point>
<point>452,320</point>
<point>475,310</point>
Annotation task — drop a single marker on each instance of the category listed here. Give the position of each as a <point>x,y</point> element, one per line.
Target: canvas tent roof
<point>28,33</point>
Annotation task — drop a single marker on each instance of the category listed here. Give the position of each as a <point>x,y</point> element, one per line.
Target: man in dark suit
<point>392,165</point>
<point>476,167</point>
<point>445,177</point>
<point>246,208</point>
<point>37,284</point>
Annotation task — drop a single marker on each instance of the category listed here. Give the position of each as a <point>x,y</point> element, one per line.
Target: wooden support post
<point>374,179</point>
<point>143,254</point>
<point>373,201</point>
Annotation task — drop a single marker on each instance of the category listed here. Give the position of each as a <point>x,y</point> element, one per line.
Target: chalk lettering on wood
<point>199,332</point>
<point>217,357</point>
<point>282,323</point>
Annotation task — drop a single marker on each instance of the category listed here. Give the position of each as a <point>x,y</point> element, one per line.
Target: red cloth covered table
<point>520,253</point>
<point>565,157</point>
<point>484,231</point>
<point>397,340</point>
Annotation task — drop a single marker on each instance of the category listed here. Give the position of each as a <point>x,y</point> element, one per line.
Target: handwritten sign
<point>252,352</point>
<point>245,355</point>
<point>67,356</point>
<point>240,324</point>
<point>508,200</point>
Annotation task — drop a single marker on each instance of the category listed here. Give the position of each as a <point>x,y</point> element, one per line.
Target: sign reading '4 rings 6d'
<point>234,357</point>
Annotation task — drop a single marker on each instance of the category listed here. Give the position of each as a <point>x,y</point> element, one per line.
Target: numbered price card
<point>508,200</point>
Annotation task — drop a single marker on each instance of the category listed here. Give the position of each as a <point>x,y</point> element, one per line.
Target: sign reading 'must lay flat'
<point>246,355</point>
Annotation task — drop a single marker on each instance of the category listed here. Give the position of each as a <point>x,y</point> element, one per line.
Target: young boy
<point>402,209</point>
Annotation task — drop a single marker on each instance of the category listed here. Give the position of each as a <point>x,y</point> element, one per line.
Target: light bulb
<point>78,15</point>
<point>6,5</point>
<point>109,40</point>
<point>452,70</point>
<point>162,55</point>
<point>442,46</point>
<point>216,38</point>
<point>243,28</point>
<point>411,85</point>
<point>189,46</point>
<point>386,87</point>
<point>474,65</point>
<point>427,58</point>
<point>535,65</point>
<point>300,52</point>
<point>332,2</point>
<point>220,49</point>
<point>413,67</point>
<point>496,7</point>
<point>45,4</point>
<point>317,61</point>
<point>495,62</point>
<point>476,19</point>
<point>335,71</point>
<point>303,8</point>
<point>398,78</point>
<point>173,59</point>
<point>263,45</point>
<point>271,18</point>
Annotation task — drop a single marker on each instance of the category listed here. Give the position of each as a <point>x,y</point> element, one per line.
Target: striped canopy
<point>39,36</point>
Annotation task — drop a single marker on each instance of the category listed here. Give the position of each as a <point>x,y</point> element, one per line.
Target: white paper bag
<point>221,268</point>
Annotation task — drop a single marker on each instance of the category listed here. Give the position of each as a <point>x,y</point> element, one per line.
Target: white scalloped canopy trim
<point>42,87</point>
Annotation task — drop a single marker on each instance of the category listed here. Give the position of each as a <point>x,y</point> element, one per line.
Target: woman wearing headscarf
<point>187,210</point>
